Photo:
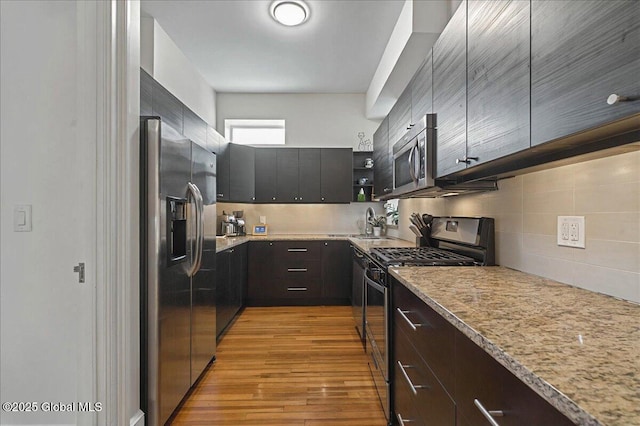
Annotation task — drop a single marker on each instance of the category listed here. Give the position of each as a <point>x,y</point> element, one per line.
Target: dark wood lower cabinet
<point>449,372</point>
<point>299,273</point>
<point>231,282</point>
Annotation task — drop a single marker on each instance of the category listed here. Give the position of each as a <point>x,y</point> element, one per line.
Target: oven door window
<point>376,321</point>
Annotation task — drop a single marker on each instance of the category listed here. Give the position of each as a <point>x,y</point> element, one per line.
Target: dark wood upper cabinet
<point>309,175</point>
<point>168,107</point>
<point>146,93</point>
<point>498,92</point>
<point>223,172</point>
<point>582,52</point>
<point>195,128</point>
<point>421,90</point>
<point>336,175</point>
<point>382,161</point>
<point>400,116</point>
<point>287,175</point>
<point>241,173</point>
<point>265,177</point>
<point>450,93</point>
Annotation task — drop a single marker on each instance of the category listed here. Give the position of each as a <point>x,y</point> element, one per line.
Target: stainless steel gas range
<point>453,241</point>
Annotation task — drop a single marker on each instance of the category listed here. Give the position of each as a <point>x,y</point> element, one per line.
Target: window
<point>255,132</point>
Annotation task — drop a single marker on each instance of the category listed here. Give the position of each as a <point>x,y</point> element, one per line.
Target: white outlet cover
<point>571,231</point>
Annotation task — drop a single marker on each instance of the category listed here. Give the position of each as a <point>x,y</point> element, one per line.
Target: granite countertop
<point>224,243</point>
<point>578,349</point>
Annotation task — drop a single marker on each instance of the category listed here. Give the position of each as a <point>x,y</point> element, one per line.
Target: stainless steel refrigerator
<point>178,228</point>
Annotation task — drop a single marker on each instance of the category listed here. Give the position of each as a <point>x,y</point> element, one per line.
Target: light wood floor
<point>294,366</point>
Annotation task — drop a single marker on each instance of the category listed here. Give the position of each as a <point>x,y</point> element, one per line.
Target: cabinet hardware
<point>386,190</point>
<point>296,269</point>
<point>297,250</point>
<point>614,98</point>
<point>295,198</point>
<point>414,388</point>
<point>220,195</point>
<point>489,414</point>
<point>296,289</point>
<point>253,198</point>
<point>273,198</point>
<point>413,326</point>
<point>322,198</point>
<point>466,160</point>
<point>300,198</point>
<point>402,421</point>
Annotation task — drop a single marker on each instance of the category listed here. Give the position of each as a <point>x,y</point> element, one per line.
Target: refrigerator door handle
<point>199,204</point>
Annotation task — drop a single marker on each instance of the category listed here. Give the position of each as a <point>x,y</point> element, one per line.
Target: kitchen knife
<point>422,222</point>
<point>414,220</point>
<point>414,229</point>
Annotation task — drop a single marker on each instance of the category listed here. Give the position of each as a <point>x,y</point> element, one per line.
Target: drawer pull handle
<point>413,326</point>
<point>297,250</point>
<point>489,414</point>
<point>402,421</point>
<point>296,289</point>
<point>297,270</point>
<point>414,388</point>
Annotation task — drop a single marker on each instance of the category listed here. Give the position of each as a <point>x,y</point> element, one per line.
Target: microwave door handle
<point>194,193</point>
<point>412,172</point>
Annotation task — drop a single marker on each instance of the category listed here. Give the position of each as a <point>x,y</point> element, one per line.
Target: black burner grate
<point>420,256</point>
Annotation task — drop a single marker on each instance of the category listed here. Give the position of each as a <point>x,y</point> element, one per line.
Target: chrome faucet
<point>368,228</point>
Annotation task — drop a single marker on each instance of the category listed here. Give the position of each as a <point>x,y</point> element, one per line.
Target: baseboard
<point>137,419</point>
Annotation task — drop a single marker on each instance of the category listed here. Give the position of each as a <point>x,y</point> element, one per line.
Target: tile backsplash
<point>605,191</point>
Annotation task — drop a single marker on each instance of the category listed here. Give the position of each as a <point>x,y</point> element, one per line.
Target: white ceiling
<point>238,47</point>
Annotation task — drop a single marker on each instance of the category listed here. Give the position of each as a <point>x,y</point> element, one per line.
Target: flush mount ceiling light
<point>289,12</point>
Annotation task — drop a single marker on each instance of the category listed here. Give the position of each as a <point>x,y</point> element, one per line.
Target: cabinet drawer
<point>298,250</point>
<point>412,375</point>
<point>298,270</point>
<point>480,377</point>
<point>433,336</point>
<point>281,289</point>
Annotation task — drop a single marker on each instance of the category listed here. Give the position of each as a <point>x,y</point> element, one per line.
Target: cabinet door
<point>223,170</point>
<point>582,52</point>
<point>382,165</point>
<point>287,175</point>
<point>261,267</point>
<point>421,90</point>
<point>265,177</point>
<point>195,128</point>
<point>223,296</point>
<point>498,79</point>
<point>309,175</point>
<point>242,173</point>
<point>450,93</point>
<point>167,106</point>
<point>237,277</point>
<point>213,141</point>
<point>146,93</point>
<point>336,271</point>
<point>336,175</point>
<point>400,116</point>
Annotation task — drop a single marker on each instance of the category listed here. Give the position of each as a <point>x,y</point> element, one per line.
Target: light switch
<point>22,218</point>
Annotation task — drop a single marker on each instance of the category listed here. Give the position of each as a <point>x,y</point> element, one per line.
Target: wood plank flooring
<point>294,366</point>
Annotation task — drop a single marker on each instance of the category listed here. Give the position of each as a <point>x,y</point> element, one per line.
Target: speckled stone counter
<point>579,350</point>
<point>224,243</point>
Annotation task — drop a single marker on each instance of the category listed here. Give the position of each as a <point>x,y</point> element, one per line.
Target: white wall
<point>312,120</point>
<point>48,160</point>
<point>606,191</point>
<point>164,61</point>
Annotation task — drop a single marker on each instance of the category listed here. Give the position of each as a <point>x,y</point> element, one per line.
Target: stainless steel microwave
<point>414,157</point>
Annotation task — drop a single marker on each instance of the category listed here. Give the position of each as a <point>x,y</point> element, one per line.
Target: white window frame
<point>255,131</point>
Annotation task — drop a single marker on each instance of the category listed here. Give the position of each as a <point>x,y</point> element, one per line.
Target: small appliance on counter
<point>233,225</point>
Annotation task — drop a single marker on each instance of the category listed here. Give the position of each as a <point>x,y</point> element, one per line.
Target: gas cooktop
<point>420,256</point>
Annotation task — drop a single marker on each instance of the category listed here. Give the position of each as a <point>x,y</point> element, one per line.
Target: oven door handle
<point>373,284</point>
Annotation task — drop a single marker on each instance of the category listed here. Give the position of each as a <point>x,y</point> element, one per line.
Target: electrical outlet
<point>571,231</point>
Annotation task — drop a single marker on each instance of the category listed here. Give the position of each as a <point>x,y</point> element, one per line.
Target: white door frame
<point>117,23</point>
